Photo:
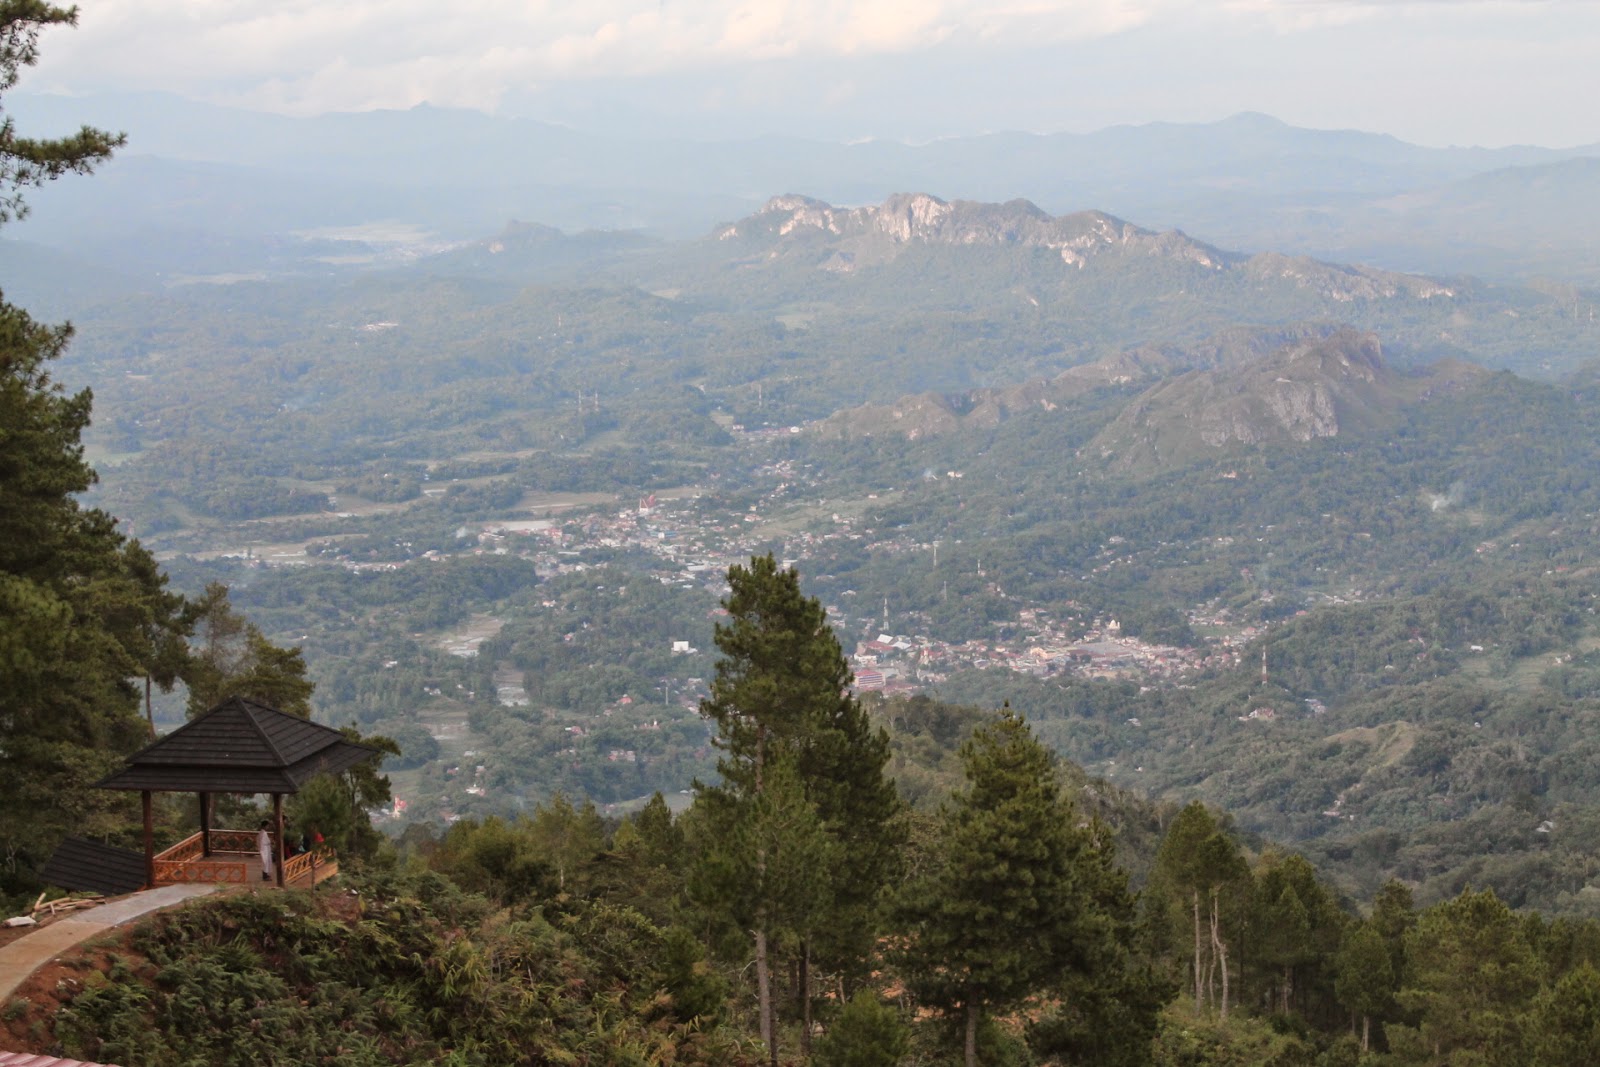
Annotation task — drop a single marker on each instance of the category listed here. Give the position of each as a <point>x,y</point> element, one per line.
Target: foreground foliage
<point>397,970</point>
<point>82,609</point>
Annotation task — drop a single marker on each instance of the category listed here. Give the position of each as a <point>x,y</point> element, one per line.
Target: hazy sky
<point>1433,71</point>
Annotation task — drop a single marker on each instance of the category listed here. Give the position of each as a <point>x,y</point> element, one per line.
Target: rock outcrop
<point>910,218</point>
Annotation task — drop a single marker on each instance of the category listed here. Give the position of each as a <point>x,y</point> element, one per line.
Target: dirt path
<point>22,957</point>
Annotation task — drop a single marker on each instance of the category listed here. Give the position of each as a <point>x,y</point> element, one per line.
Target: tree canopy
<point>83,610</point>
<point>802,834</point>
<point>1011,900</point>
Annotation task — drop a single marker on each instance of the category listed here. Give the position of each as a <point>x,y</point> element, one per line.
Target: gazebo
<point>242,747</point>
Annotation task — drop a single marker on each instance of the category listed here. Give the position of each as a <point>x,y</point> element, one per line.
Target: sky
<point>1435,72</point>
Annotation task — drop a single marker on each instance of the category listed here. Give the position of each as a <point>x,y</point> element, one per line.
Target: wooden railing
<point>186,861</point>
<point>236,841</point>
<point>184,851</point>
<point>205,871</point>
<point>318,863</point>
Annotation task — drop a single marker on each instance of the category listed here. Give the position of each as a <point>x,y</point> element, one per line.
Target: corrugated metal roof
<point>28,1059</point>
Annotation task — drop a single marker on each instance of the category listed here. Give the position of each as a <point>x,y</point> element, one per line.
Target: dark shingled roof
<point>240,746</point>
<point>89,865</point>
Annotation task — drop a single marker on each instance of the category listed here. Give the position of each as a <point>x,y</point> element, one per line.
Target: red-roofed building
<point>869,679</point>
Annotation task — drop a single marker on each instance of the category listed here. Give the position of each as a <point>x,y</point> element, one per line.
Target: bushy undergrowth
<point>399,969</point>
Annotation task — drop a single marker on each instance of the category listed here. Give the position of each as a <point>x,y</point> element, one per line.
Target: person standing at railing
<point>264,846</point>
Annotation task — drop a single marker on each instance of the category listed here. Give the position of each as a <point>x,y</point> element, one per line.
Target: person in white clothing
<point>264,846</point>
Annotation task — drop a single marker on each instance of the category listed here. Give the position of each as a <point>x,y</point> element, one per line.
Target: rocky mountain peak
<point>908,218</point>
<point>1321,387</point>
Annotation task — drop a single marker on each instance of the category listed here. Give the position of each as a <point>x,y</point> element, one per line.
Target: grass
<point>1520,675</point>
<point>1390,742</point>
<point>801,517</point>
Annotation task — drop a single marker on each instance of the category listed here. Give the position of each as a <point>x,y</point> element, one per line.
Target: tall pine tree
<point>83,611</point>
<point>784,712</point>
<point>1013,899</point>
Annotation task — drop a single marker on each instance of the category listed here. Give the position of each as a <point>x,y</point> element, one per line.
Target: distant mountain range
<point>208,190</point>
<point>792,314</point>
<point>797,226</point>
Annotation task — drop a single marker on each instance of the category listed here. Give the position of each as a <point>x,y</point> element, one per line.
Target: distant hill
<point>843,240</point>
<point>1252,388</point>
<point>1322,388</point>
<point>868,235</point>
<point>986,288</point>
<point>793,314</point>
<point>933,414</point>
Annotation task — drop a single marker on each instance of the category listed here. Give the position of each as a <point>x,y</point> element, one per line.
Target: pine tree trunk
<point>1287,992</point>
<point>761,757</point>
<point>1366,1025</point>
<point>972,1033</point>
<point>1199,1000</point>
<point>763,972</point>
<point>764,990</point>
<point>805,999</point>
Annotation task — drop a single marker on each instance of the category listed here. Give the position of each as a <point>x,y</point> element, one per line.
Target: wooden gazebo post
<point>279,850</point>
<point>205,825</point>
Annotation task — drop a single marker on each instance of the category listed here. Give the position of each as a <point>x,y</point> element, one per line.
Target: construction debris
<point>73,903</point>
<point>43,909</point>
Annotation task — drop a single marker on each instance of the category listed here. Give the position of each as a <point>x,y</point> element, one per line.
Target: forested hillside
<point>1201,492</point>
<point>1005,933</point>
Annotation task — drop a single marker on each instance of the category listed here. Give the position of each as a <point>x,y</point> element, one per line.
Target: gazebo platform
<point>235,860</point>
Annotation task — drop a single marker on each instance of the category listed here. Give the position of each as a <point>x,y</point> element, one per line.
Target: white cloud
<point>1297,16</point>
<point>312,55</point>
<point>1490,71</point>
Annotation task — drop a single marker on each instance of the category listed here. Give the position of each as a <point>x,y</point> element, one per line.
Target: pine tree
<point>781,698</point>
<point>231,657</point>
<point>1471,978</point>
<point>1298,925</point>
<point>868,1033</point>
<point>764,862</point>
<point>568,839</point>
<point>1106,1004</point>
<point>1394,914</point>
<point>82,609</point>
<point>26,162</point>
<point>1005,906</point>
<point>1567,1021</point>
<point>1364,979</point>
